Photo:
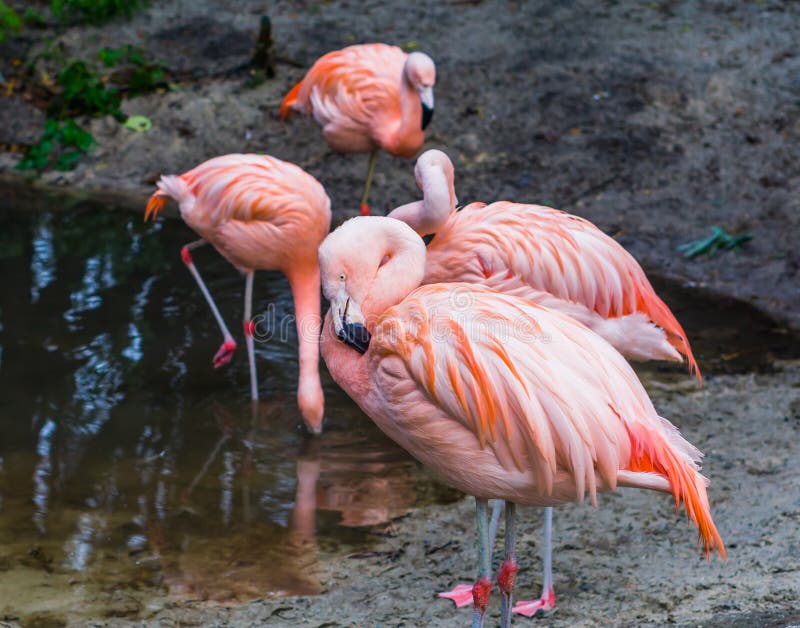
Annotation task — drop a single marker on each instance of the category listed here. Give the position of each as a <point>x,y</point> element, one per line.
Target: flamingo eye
<point>385,259</point>
<point>342,277</point>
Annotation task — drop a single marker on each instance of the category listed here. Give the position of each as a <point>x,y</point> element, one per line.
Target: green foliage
<point>144,75</point>
<point>72,140</point>
<point>94,11</point>
<point>9,21</point>
<point>85,92</point>
<point>33,18</point>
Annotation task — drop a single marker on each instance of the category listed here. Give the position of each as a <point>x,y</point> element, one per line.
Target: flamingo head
<point>420,71</point>
<point>368,265</point>
<point>311,402</point>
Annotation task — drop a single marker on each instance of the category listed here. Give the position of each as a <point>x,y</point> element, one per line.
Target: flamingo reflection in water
<point>369,483</point>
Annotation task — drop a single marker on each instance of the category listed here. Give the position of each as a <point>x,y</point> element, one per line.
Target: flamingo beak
<point>348,322</point>
<point>426,96</point>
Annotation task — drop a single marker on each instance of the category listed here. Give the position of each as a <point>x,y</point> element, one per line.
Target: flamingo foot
<point>364,209</point>
<point>461,595</point>
<point>225,353</point>
<point>545,603</point>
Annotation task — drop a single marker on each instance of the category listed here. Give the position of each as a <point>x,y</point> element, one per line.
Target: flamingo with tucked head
<point>557,259</point>
<point>367,98</point>
<point>553,258</point>
<point>500,397</point>
<point>260,213</point>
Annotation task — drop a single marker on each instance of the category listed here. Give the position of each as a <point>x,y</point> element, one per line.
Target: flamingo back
<point>550,250</point>
<point>251,207</point>
<point>351,93</point>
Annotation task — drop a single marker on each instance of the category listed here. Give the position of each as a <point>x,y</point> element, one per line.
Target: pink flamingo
<point>368,97</point>
<point>260,213</point>
<point>556,259</point>
<point>501,397</point>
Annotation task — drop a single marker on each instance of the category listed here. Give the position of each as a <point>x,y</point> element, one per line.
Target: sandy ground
<point>655,120</point>
<point>631,562</point>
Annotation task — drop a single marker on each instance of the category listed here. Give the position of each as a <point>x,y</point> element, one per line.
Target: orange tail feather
<point>154,205</point>
<point>658,455</point>
<point>289,101</point>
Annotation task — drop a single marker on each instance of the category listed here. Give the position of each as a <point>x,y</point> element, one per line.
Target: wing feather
<point>350,86</point>
<point>255,188</point>
<point>554,252</point>
<point>535,387</point>
<point>546,409</point>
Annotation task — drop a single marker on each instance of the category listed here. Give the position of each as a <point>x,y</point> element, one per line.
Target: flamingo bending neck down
<point>501,397</point>
<point>260,213</point>
<point>366,98</point>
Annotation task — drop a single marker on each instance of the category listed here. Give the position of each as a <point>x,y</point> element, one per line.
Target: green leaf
<point>68,161</point>
<point>9,20</point>
<point>140,124</point>
<point>94,11</point>
<point>57,8</point>
<point>110,56</point>
<point>34,18</point>
<point>74,135</point>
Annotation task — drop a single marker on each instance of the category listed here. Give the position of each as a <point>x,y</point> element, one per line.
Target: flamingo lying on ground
<point>556,259</point>
<point>260,213</point>
<point>368,97</point>
<point>499,396</point>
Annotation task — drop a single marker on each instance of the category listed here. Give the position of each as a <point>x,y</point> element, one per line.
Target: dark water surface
<point>131,471</point>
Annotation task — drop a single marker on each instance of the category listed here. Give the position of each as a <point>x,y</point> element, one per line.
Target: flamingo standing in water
<point>553,258</point>
<point>260,213</point>
<point>501,397</point>
<point>368,97</point>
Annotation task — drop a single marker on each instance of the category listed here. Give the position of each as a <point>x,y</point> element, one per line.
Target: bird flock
<point>495,355</point>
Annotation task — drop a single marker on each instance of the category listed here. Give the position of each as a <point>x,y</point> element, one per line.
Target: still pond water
<point>130,469</point>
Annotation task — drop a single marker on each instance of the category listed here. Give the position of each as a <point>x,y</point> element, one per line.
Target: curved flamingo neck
<point>306,293</point>
<point>406,136</point>
<point>428,215</point>
<point>400,274</point>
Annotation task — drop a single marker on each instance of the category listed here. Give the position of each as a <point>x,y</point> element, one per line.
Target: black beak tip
<point>427,116</point>
<point>355,335</point>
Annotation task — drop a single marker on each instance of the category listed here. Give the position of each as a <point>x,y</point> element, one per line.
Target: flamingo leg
<point>249,328</point>
<point>370,171</point>
<point>225,352</point>
<point>462,593</point>
<point>548,600</point>
<point>482,588</point>
<point>507,576</point>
